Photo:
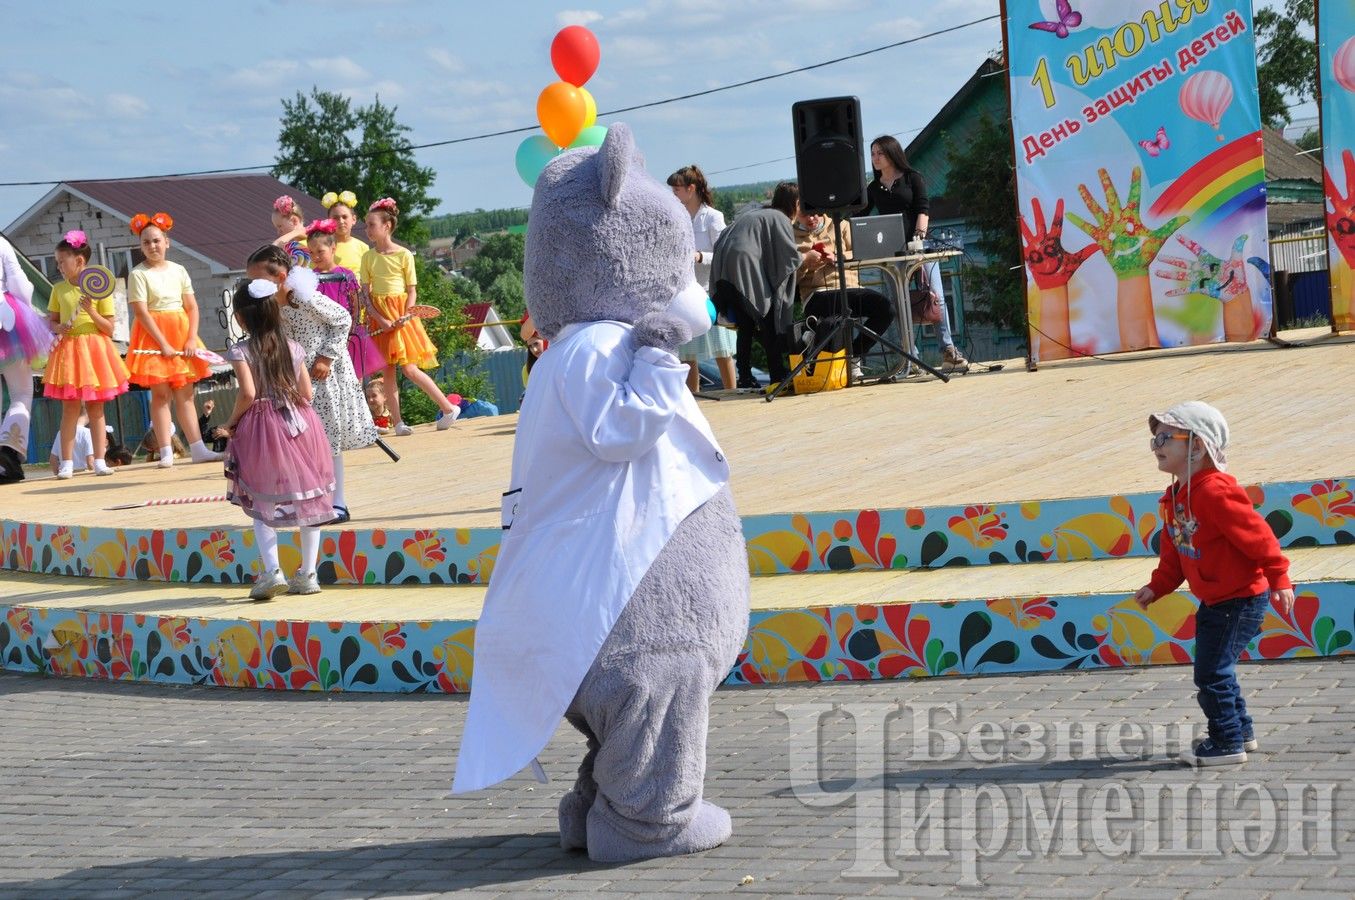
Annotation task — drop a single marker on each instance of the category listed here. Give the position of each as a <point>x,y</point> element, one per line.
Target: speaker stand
<point>842,326</point>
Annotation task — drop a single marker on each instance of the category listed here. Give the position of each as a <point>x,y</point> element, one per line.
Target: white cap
<point>1201,420</point>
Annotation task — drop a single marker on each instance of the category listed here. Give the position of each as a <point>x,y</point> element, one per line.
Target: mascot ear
<point>617,155</point>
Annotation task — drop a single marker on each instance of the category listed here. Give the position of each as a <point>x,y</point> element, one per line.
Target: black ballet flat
<point>340,516</point>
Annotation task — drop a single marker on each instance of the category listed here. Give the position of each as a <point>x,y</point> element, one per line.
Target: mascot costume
<point>620,595</point>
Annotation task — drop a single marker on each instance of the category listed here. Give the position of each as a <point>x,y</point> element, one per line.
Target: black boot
<point>11,466</point>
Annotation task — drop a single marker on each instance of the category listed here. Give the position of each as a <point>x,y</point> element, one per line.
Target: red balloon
<point>575,54</point>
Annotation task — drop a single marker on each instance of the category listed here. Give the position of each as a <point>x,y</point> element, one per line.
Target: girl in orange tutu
<point>84,367</point>
<point>161,299</point>
<point>388,274</point>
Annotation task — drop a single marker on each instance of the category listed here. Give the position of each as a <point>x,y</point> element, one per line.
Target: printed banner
<point>1336,72</point>
<point>1140,173</point>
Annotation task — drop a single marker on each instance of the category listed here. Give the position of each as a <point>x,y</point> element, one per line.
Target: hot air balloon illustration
<point>1205,97</point>
<point>1343,65</point>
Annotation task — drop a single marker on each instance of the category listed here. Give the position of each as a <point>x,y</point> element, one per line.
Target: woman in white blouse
<point>690,187</point>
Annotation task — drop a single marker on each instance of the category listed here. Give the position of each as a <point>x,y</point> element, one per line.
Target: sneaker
<point>1248,743</point>
<point>166,460</point>
<point>1208,753</point>
<point>340,516</point>
<point>446,419</point>
<point>748,386</point>
<point>857,374</point>
<point>953,360</point>
<point>303,583</point>
<point>102,468</point>
<point>382,429</point>
<point>266,587</point>
<point>403,430</point>
<point>66,470</point>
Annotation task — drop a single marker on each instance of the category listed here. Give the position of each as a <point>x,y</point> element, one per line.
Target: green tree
<point>461,372</point>
<point>981,178</point>
<point>327,144</point>
<point>1310,140</point>
<point>499,254</point>
<point>1286,58</point>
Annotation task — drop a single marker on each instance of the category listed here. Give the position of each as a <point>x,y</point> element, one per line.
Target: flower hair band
<point>322,226</point>
<point>161,220</point>
<point>347,198</point>
<point>286,206</point>
<point>76,238</point>
<point>385,203</point>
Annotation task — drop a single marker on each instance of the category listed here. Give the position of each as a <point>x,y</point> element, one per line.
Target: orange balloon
<point>561,110</point>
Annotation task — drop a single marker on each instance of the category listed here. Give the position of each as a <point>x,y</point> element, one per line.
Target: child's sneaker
<point>446,419</point>
<point>66,469</point>
<point>1248,742</point>
<point>1208,753</point>
<point>403,430</point>
<point>268,586</point>
<point>303,583</point>
<point>102,468</point>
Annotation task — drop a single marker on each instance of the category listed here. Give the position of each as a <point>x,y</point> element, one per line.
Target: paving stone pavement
<point>1057,785</point>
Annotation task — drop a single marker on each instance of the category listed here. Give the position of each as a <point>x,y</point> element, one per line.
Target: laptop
<point>877,237</point>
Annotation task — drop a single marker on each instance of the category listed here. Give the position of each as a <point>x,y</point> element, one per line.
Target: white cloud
<point>340,67</point>
<point>445,60</point>
<point>264,75</point>
<point>568,17</point>
<point>125,105</point>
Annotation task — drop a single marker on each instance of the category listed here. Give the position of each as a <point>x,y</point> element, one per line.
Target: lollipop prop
<point>95,282</point>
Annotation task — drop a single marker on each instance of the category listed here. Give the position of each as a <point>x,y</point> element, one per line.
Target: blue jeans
<point>1222,632</point>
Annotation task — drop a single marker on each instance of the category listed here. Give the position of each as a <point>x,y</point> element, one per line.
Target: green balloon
<point>592,136</point>
<point>532,156</point>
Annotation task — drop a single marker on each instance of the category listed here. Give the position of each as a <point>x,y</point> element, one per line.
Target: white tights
<point>266,537</point>
<point>18,378</point>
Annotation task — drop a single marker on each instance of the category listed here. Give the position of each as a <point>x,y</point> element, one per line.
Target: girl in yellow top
<point>160,297</point>
<point>387,272</point>
<point>84,367</point>
<point>348,250</point>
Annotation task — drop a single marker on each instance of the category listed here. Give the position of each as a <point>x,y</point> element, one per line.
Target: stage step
<point>862,625</point>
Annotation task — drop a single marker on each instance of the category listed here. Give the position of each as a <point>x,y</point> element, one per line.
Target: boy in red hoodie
<point>1216,541</point>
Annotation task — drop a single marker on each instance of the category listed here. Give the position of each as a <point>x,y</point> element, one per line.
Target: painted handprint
<point>1224,280</point>
<point>1050,264</point>
<point>1129,245</point>
<point>1206,273</point>
<point>1341,225</point>
<point>1341,216</point>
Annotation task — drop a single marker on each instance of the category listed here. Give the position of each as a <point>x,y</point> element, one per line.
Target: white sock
<point>101,466</point>
<point>198,447</point>
<point>267,540</point>
<point>310,548</point>
<point>67,467</point>
<point>339,499</point>
<point>166,452</point>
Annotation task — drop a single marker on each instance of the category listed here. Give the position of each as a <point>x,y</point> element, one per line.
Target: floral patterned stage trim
<point>836,643</point>
<point>1302,514</point>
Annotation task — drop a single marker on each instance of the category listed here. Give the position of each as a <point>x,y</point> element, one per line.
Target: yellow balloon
<point>591,116</point>
<point>561,110</point>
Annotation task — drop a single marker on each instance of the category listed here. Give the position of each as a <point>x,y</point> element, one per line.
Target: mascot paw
<point>661,330</point>
<point>574,821</point>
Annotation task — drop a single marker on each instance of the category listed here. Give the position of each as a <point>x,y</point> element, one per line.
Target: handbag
<point>925,304</point>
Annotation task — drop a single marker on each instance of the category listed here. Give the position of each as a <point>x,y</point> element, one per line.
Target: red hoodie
<point>1230,553</point>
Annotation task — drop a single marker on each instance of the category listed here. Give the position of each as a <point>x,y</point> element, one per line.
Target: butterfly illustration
<point>1157,144</point>
<point>1067,19</point>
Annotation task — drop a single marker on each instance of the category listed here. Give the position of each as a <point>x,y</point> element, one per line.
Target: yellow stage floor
<point>427,602</point>
<point>1074,428</point>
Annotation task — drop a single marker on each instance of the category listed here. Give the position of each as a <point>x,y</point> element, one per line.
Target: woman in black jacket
<point>899,188</point>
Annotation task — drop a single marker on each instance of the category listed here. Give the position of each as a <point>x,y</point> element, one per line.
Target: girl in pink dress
<point>278,466</point>
<point>341,286</point>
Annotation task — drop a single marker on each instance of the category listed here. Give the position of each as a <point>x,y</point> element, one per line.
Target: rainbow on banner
<point>1228,181</point>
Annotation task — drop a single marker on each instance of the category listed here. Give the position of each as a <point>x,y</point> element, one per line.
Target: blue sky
<point>104,90</point>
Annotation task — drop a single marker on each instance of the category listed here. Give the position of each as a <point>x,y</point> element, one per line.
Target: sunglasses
<point>1160,439</point>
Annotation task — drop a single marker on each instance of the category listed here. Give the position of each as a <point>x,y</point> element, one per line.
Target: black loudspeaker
<point>829,158</point>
